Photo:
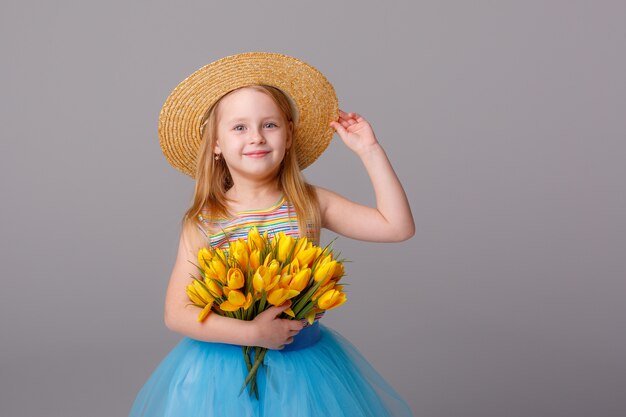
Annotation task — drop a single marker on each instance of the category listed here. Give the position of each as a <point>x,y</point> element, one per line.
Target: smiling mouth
<point>257,154</point>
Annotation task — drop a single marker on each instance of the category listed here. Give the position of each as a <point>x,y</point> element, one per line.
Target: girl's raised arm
<point>391,220</point>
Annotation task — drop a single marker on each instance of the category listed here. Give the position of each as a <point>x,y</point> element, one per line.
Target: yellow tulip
<point>279,295</point>
<point>264,279</point>
<point>205,312</point>
<point>255,259</point>
<point>254,240</point>
<point>235,301</point>
<point>235,278</point>
<point>307,256</point>
<point>219,253</point>
<point>239,252</point>
<point>214,288</point>
<point>301,244</point>
<point>310,316</point>
<point>300,280</point>
<point>193,295</point>
<point>273,268</point>
<point>290,269</point>
<point>331,299</point>
<point>204,256</point>
<point>294,267</point>
<point>285,245</point>
<point>258,281</point>
<point>202,291</point>
<point>324,272</point>
<point>321,290</point>
<point>339,271</point>
<point>217,269</point>
<point>325,259</point>
<point>272,281</point>
<point>249,301</point>
<point>284,280</point>
<point>268,258</point>
<point>227,306</point>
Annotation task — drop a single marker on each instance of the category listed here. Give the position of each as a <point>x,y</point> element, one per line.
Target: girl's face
<point>252,135</point>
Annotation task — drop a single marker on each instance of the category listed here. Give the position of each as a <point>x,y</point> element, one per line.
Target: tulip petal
<point>228,306</point>
<point>193,296</point>
<point>205,312</point>
<point>310,317</point>
<point>236,298</point>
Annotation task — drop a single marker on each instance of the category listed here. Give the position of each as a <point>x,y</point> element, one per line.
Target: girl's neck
<point>242,197</point>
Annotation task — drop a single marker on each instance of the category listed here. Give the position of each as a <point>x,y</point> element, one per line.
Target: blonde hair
<point>213,177</point>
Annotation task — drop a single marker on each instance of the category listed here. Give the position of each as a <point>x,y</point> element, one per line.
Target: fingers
<point>279,330</point>
<point>346,115</point>
<point>288,341</point>
<point>345,121</point>
<point>350,117</point>
<point>295,325</point>
<point>293,328</point>
<point>340,128</point>
<point>273,312</point>
<point>279,309</point>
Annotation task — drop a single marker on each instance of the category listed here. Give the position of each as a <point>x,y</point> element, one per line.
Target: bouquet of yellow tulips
<point>260,272</point>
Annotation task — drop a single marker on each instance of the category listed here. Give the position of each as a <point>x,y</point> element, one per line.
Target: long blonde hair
<point>213,177</point>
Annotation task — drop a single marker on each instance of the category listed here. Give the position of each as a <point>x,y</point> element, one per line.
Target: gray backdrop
<point>504,120</point>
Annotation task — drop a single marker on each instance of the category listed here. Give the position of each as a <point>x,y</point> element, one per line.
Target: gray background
<point>504,120</point>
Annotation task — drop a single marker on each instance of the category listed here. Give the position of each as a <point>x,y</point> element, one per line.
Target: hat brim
<point>307,88</point>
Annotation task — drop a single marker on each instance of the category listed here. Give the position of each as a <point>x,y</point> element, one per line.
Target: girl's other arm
<point>391,220</point>
<point>181,316</point>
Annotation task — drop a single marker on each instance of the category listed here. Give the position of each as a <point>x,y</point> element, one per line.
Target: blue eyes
<point>239,128</point>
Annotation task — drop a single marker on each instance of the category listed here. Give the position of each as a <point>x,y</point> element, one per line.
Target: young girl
<point>244,126</point>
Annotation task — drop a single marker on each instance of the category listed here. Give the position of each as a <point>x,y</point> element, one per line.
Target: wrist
<point>250,333</point>
<point>370,150</point>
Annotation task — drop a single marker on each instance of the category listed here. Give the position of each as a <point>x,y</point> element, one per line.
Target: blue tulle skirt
<point>320,374</point>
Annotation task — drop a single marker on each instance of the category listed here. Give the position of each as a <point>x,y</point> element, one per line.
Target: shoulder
<point>193,237</point>
<point>328,200</point>
<point>326,196</point>
<point>209,225</point>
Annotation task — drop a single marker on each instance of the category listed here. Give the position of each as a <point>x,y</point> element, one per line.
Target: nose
<point>256,136</point>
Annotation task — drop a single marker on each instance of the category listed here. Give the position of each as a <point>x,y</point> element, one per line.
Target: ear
<point>216,148</point>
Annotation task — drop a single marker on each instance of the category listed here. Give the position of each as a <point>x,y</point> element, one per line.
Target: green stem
<point>246,355</point>
<point>258,360</point>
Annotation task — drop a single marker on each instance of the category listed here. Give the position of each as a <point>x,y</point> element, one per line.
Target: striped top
<point>280,217</point>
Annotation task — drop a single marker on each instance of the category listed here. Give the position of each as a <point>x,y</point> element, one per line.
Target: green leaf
<point>262,302</point>
<point>305,298</point>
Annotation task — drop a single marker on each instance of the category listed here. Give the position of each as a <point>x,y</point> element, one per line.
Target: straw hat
<point>311,95</point>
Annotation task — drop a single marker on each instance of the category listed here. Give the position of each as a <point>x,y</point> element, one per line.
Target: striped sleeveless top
<point>280,217</point>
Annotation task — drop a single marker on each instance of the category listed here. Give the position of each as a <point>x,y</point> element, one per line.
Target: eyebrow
<point>244,119</point>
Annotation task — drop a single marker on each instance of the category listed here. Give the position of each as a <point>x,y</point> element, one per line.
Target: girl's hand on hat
<point>355,132</point>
